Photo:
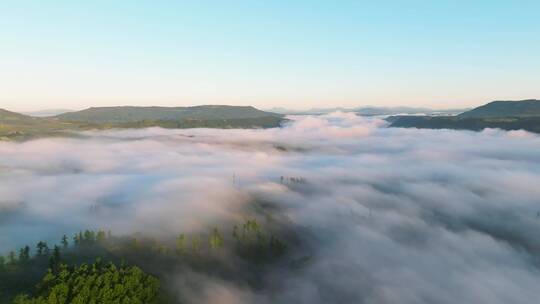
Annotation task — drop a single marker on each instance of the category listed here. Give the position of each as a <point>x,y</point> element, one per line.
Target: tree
<point>89,236</point>
<point>101,236</point>
<point>162,249</point>
<point>216,240</point>
<point>136,244</point>
<point>42,248</point>
<point>2,262</point>
<point>180,244</point>
<point>257,245</point>
<point>76,239</point>
<point>47,250</point>
<point>55,260</point>
<point>235,232</point>
<point>65,241</point>
<point>56,253</point>
<point>24,254</point>
<point>12,258</point>
<point>277,247</point>
<point>196,244</point>
<point>250,231</point>
<point>95,283</point>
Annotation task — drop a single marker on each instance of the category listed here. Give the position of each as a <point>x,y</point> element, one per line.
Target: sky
<point>292,54</point>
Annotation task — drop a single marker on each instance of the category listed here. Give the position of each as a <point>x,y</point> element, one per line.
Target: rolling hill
<point>498,109</point>
<point>8,116</point>
<point>506,115</point>
<point>18,126</point>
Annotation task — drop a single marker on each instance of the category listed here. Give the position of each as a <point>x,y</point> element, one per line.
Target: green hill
<point>8,116</point>
<point>506,115</point>
<point>130,114</point>
<point>531,124</point>
<point>499,109</point>
<point>18,126</point>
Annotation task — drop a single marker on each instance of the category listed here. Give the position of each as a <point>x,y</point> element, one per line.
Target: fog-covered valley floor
<point>383,215</point>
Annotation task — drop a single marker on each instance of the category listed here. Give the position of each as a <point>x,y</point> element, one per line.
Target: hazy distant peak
<point>371,110</point>
<point>47,112</point>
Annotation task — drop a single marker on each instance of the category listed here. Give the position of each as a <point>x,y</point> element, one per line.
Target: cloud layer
<point>387,215</point>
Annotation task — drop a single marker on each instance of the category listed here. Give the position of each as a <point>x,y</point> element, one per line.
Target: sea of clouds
<point>388,215</point>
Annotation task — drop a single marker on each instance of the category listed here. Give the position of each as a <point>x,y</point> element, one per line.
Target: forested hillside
<point>97,266</point>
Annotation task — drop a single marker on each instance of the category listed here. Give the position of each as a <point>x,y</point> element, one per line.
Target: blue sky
<point>295,54</point>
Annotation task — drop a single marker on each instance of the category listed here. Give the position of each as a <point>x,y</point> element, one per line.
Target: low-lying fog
<point>389,215</point>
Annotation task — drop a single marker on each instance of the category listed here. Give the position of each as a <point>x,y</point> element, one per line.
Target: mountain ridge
<point>501,114</point>
<point>505,108</point>
<point>372,111</point>
<point>14,125</point>
<point>130,114</point>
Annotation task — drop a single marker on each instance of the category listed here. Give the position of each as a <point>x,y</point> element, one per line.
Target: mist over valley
<point>367,213</point>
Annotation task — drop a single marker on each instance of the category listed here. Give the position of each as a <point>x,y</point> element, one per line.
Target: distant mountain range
<point>371,111</point>
<point>46,113</point>
<point>506,115</point>
<point>19,126</point>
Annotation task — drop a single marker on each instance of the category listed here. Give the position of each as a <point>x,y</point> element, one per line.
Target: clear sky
<point>294,54</point>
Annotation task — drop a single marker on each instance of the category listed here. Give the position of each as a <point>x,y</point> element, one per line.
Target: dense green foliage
<point>95,283</point>
<point>239,254</point>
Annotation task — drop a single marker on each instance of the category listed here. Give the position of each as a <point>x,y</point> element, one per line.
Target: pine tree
<point>101,236</point>
<point>56,253</point>
<point>76,239</point>
<point>216,240</point>
<point>277,247</point>
<point>180,244</point>
<point>89,236</point>
<point>46,250</point>
<point>235,233</point>
<point>42,248</point>
<point>12,258</point>
<point>65,241</point>
<point>196,244</point>
<point>55,260</point>
<point>24,254</point>
<point>21,254</point>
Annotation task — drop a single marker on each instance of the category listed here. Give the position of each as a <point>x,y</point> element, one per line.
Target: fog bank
<point>386,215</point>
